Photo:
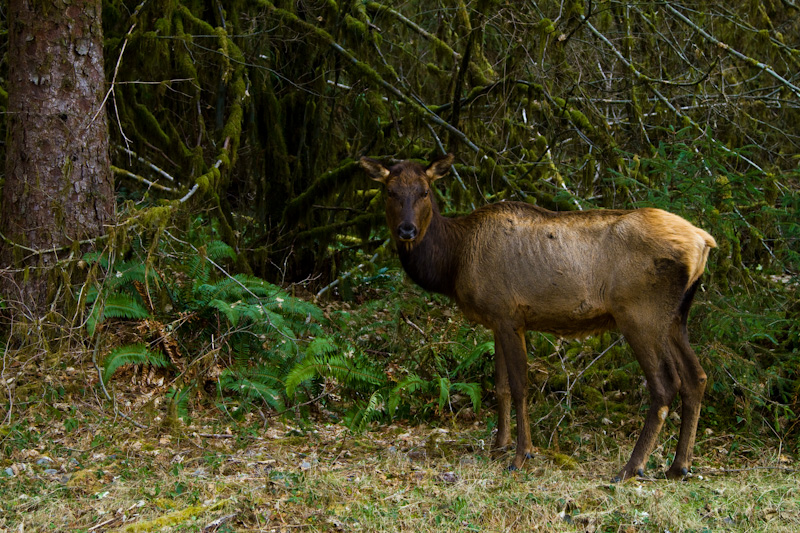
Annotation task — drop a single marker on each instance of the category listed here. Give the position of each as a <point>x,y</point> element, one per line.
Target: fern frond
<point>252,389</point>
<point>242,348</point>
<point>116,305</point>
<point>288,305</point>
<point>122,305</point>
<point>216,250</point>
<point>474,354</point>
<point>133,354</point>
<point>321,346</point>
<point>473,390</point>
<point>96,257</point>
<point>128,271</point>
<point>229,310</point>
<point>256,286</point>
<point>444,391</point>
<point>410,384</point>
<point>277,322</point>
<point>179,402</point>
<point>199,271</point>
<point>360,416</point>
<point>304,370</point>
<point>336,367</point>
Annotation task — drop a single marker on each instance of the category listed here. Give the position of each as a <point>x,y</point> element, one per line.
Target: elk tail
<point>704,242</point>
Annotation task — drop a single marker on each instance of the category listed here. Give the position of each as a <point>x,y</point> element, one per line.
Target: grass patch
<point>393,478</point>
<point>70,460</point>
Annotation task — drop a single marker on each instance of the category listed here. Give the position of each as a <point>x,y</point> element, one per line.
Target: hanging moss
<point>150,126</point>
<point>356,26</point>
<point>724,194</point>
<point>299,89</point>
<point>319,189</point>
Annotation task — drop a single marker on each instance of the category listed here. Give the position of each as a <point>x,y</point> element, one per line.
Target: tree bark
<point>58,187</point>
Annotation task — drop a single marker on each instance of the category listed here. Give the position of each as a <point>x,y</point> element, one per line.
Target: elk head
<point>409,202</point>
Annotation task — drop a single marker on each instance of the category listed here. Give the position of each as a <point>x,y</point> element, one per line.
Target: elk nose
<point>406,231</point>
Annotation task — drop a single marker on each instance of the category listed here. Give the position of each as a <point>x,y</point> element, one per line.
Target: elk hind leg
<point>655,359</point>
<point>693,385</point>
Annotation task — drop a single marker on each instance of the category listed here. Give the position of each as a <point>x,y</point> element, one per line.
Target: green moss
<point>621,379</point>
<point>544,27</point>
<point>150,126</point>
<point>174,518</point>
<point>576,9</point>
<point>320,188</point>
<point>355,26</point>
<point>580,120</point>
<point>593,397</point>
<point>162,26</point>
<point>561,460</point>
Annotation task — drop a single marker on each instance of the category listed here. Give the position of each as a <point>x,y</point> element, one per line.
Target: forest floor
<point>76,464</point>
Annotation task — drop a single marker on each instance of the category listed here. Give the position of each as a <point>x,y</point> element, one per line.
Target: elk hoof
<point>513,466</point>
<point>683,473</point>
<point>625,475</point>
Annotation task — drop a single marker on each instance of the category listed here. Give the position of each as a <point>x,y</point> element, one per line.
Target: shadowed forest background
<point>249,265</point>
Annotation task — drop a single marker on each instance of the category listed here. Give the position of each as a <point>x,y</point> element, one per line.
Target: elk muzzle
<point>407,231</point>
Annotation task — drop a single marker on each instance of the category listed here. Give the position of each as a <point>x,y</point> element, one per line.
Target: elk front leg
<point>512,345</point>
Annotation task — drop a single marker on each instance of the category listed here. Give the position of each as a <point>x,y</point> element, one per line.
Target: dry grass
<point>107,475</point>
<point>76,465</point>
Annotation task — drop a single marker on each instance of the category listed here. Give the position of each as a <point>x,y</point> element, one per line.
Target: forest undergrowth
<point>213,401</point>
<point>184,393</point>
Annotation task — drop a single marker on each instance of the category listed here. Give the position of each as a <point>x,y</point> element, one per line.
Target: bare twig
<point>350,272</point>
<point>142,160</point>
<point>369,73</point>
<point>751,61</point>
<point>416,327</point>
<point>414,26</point>
<point>636,72</point>
<point>214,524</point>
<point>756,468</point>
<point>101,524</point>
<point>129,174</point>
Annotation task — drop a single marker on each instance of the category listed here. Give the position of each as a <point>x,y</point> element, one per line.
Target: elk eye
<point>424,193</point>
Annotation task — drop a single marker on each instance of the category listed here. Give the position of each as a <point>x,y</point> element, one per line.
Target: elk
<point>513,267</point>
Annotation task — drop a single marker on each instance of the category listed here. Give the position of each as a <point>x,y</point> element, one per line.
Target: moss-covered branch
<point>382,8</point>
<point>724,46</point>
<point>364,70</point>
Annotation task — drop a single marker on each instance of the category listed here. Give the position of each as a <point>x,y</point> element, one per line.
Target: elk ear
<point>374,169</point>
<point>439,167</point>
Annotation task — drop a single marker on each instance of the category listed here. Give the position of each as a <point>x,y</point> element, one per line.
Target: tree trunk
<point>58,186</point>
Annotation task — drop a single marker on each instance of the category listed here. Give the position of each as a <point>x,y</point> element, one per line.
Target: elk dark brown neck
<point>432,263</point>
